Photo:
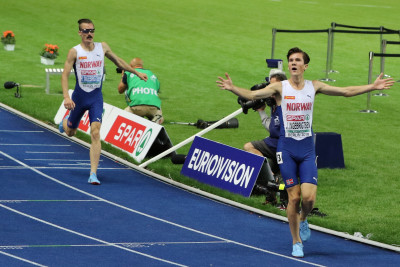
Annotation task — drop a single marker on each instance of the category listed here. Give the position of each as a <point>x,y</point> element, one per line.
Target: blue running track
<point>51,216</point>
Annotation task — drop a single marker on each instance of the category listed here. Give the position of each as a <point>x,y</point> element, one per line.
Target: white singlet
<point>89,67</point>
<point>297,110</point>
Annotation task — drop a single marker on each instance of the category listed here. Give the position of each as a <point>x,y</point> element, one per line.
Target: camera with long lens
<point>256,104</point>
<point>270,186</point>
<point>270,189</point>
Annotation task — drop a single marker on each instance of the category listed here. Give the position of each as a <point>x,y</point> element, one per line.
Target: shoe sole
<point>298,256</point>
<point>94,182</point>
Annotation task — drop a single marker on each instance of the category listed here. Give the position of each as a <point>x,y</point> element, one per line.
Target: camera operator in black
<point>267,146</point>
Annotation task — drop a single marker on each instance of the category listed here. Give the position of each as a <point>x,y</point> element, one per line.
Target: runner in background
<point>87,59</point>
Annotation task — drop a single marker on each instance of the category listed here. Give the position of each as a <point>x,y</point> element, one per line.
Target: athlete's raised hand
<point>381,84</point>
<point>225,84</point>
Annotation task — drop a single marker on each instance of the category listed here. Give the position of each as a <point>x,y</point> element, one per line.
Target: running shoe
<point>305,232</point>
<point>60,125</point>
<point>93,179</point>
<point>298,250</point>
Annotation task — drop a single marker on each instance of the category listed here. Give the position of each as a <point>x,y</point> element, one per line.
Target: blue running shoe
<point>298,250</point>
<point>60,126</point>
<point>93,179</point>
<point>305,232</point>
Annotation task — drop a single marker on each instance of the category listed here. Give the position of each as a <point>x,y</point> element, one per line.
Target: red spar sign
<point>125,134</point>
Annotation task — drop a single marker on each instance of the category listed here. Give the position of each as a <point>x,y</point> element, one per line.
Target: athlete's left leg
<point>309,194</point>
<point>95,147</point>
<point>309,179</point>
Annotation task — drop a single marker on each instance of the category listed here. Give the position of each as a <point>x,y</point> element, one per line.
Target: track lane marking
<point>21,259</point>
<point>154,217</point>
<point>87,236</point>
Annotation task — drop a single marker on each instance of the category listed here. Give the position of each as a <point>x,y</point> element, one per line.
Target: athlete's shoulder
<point>72,53</point>
<point>317,84</point>
<point>106,47</point>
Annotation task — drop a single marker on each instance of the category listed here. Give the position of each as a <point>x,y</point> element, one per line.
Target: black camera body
<point>256,104</point>
<point>269,190</point>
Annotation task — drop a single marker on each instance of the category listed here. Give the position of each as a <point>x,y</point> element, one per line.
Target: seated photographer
<point>141,96</point>
<point>267,146</point>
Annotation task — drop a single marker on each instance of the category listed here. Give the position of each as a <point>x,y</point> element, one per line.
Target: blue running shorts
<point>297,161</point>
<point>92,101</point>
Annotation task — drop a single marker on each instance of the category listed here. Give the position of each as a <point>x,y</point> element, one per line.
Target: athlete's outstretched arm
<point>227,84</point>
<point>348,91</point>
<point>119,62</point>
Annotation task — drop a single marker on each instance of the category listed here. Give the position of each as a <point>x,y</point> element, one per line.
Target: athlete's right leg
<point>293,216</point>
<point>69,131</point>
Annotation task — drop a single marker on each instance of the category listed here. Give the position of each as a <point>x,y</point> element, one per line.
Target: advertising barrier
<point>128,132</point>
<point>222,166</point>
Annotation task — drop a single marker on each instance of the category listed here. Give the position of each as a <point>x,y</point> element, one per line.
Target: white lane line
<point>47,145</point>
<point>21,259</point>
<point>48,152</point>
<point>76,167</point>
<point>125,244</point>
<point>12,167</point>
<point>157,218</point>
<point>88,237</point>
<point>15,131</point>
<point>88,160</point>
<point>47,200</point>
<point>70,164</point>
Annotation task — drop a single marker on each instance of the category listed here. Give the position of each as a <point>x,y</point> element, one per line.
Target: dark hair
<point>294,50</point>
<point>279,76</point>
<point>84,21</point>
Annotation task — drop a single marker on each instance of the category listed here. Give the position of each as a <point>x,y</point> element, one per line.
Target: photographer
<point>267,146</point>
<point>141,96</point>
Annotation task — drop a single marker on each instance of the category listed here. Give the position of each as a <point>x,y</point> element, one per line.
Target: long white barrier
<point>190,139</point>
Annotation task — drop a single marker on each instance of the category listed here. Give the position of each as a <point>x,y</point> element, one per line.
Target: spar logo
<point>143,142</point>
<point>125,134</point>
<point>88,72</point>
<point>295,117</point>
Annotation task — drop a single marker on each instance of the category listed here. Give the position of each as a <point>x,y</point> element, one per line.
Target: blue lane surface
<point>51,216</point>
